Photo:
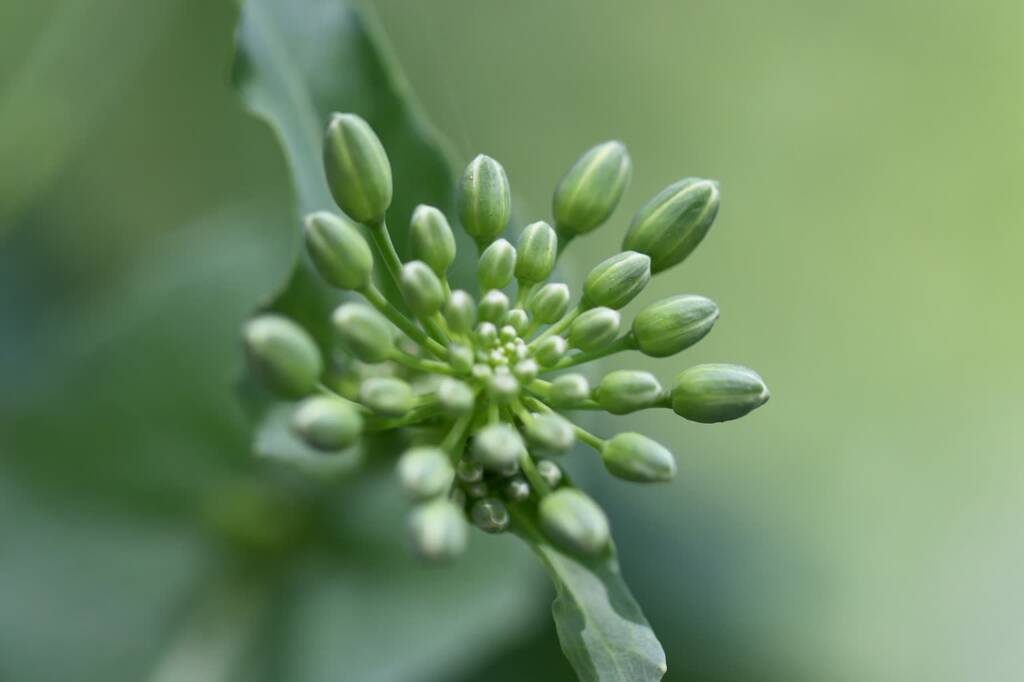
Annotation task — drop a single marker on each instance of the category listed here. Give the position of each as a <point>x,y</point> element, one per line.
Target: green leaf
<point>600,625</point>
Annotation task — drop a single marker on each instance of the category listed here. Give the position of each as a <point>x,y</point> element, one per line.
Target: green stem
<point>322,388</point>
<point>558,327</point>
<point>422,364</point>
<point>532,475</point>
<point>454,441</point>
<point>376,298</point>
<point>624,342</point>
<point>524,291</point>
<point>386,249</point>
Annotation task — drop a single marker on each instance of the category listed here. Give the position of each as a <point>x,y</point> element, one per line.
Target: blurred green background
<point>864,525</point>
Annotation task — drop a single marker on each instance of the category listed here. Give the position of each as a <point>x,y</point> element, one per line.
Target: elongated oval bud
<point>486,334</point>
<point>460,312</point>
<point>484,199</point>
<point>357,167</point>
<point>617,280</point>
<point>517,319</point>
<point>550,472</point>
<point>671,225</point>
<point>594,329</point>
<point>490,515</point>
<point>667,327</point>
<point>549,303</point>
<point>717,392</point>
<point>437,530</point>
<point>387,396</point>
<point>589,192</point>
<point>421,288</point>
<point>537,249</point>
<point>364,332</point>
<point>326,423</point>
<point>460,357</point>
<point>282,354</point>
<point>493,306</point>
<point>551,432</point>
<point>550,351</point>
<point>497,446</point>
<point>424,472</point>
<point>497,264</point>
<point>574,522</point>
<point>456,397</point>
<point>339,252</point>
<point>635,457</point>
<point>624,391</point>
<point>431,239</point>
<point>568,391</point>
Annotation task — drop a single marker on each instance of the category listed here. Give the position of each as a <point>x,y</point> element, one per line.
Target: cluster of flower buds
<point>479,386</point>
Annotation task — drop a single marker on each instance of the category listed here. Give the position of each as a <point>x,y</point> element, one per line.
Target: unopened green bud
<point>484,199</point>
<point>549,303</point>
<point>387,396</point>
<point>617,280</point>
<point>588,194</point>
<point>525,371</point>
<point>667,327</point>
<point>364,332</point>
<point>421,288</point>
<point>671,225</point>
<point>460,312</point>
<point>508,333</point>
<point>551,350</point>
<point>358,170</point>
<point>517,489</point>
<point>438,529</point>
<point>497,445</point>
<point>550,472</point>
<point>326,423</point>
<point>517,319</point>
<point>431,239</point>
<point>637,458</point>
<point>568,391</point>
<point>339,252</point>
<point>574,521</point>
<point>490,515</point>
<point>551,432</point>
<point>497,265</point>
<point>486,334</point>
<point>624,391</point>
<point>469,471</point>
<point>282,354</point>
<point>717,392</point>
<point>538,250</point>
<point>594,329</point>
<point>503,387</point>
<point>493,306</point>
<point>455,396</point>
<point>460,357</point>
<point>424,472</point>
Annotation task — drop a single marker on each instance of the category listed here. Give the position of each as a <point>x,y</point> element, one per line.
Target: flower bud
<point>517,489</point>
<point>634,457</point>
<point>617,280</point>
<point>549,303</point>
<point>326,423</point>
<point>460,357</point>
<point>551,432</point>
<point>550,351</point>
<point>387,396</point>
<point>498,445</point>
<point>455,396</point>
<point>525,371</point>
<point>490,515</point>
<point>667,327</point>
<point>421,288</point>
<point>497,265</point>
<point>469,471</point>
<point>517,319</point>
<point>493,306</point>
<point>568,391</point>
<point>424,472</point>
<point>438,530</point>
<point>550,472</point>
<point>357,167</point>
<point>574,522</point>
<point>503,387</point>
<point>594,329</point>
<point>671,225</point>
<point>486,334</point>
<point>477,490</point>
<point>717,392</point>
<point>484,199</point>
<point>624,391</point>
<point>460,312</point>
<point>339,252</point>
<point>538,250</point>
<point>589,192</point>
<point>431,239</point>
<point>364,332</point>
<point>282,354</point>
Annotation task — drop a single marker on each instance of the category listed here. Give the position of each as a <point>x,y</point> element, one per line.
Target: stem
<point>541,390</point>
<point>422,364</point>
<point>532,475</point>
<point>624,342</point>
<point>454,441</point>
<point>559,326</point>
<point>322,388</point>
<point>588,438</point>
<point>386,249</point>
<point>524,291</point>
<point>435,327</point>
<point>376,298</point>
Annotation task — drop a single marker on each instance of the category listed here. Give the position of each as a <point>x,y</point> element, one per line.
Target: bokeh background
<point>865,525</point>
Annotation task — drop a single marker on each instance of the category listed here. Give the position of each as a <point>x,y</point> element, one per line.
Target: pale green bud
<point>387,396</point>
<point>431,239</point>
<point>517,319</point>
<point>364,332</point>
<point>460,312</point>
<point>484,199</point>
<point>671,225</point>
<point>486,334</point>
<point>455,396</point>
<point>568,391</point>
<point>339,252</point>
<point>617,280</point>
<point>282,354</point>
<point>460,357</point>
<point>517,489</point>
<point>667,327</point>
<point>550,472</point>
<point>549,303</point>
<point>421,288</point>
<point>493,306</point>
<point>326,423</point>
<point>550,351</point>
<point>438,530</point>
<point>551,432</point>
<point>497,264</point>
<point>497,446</point>
<point>574,522</point>
<point>357,167</point>
<point>717,392</point>
<point>481,372</point>
<point>525,371</point>
<point>490,515</point>
<point>588,194</point>
<point>537,252</point>
<point>594,329</point>
<point>508,333</point>
<point>503,387</point>
<point>424,472</point>
<point>635,457</point>
<point>625,391</point>
<point>469,471</point>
